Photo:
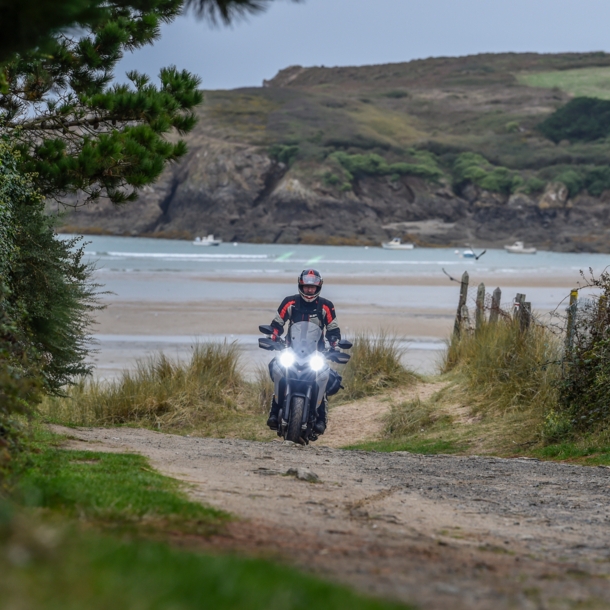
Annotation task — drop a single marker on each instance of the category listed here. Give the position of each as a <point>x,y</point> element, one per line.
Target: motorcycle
<point>301,375</point>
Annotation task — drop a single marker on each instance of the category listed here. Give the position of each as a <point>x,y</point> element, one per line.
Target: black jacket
<point>321,311</point>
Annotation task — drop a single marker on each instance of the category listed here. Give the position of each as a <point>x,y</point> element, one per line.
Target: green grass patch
<point>108,488</point>
<point>579,452</point>
<point>83,571</point>
<point>424,446</point>
<point>590,82</point>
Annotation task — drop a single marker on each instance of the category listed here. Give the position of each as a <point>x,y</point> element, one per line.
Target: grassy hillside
<point>486,104</point>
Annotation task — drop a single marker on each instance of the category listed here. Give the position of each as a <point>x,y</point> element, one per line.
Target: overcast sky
<point>358,32</point>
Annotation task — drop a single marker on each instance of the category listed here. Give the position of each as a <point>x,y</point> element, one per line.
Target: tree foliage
<point>80,133</point>
<point>46,294</point>
<point>29,24</point>
<point>582,119</point>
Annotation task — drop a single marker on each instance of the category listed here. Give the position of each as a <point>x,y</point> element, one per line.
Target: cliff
<point>442,151</point>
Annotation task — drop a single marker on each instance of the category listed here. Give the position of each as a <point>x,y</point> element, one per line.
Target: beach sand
<point>151,312</point>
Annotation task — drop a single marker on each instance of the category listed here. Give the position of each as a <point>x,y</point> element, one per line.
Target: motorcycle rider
<point>307,306</point>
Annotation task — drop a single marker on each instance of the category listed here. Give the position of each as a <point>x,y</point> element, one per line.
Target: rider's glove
<point>333,345</point>
<point>276,335</point>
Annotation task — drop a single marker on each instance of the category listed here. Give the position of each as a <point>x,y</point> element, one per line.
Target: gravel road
<point>437,531</point>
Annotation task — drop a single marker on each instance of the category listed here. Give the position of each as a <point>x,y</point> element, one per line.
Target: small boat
<point>396,244</point>
<point>207,241</point>
<point>519,248</point>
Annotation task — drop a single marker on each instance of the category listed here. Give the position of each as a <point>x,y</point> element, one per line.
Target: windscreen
<point>304,337</point>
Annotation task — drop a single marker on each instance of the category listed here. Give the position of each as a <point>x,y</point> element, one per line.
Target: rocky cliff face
<point>238,193</point>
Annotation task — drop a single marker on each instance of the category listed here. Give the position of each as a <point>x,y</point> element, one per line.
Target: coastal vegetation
<point>455,120</point>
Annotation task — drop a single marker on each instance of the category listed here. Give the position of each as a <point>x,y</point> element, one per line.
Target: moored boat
<point>207,241</point>
<point>519,248</point>
<point>396,244</point>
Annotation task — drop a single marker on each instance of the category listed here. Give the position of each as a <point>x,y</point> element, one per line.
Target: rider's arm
<point>283,315</point>
<point>333,332</point>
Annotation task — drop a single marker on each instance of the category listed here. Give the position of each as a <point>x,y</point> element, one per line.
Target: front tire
<point>293,431</point>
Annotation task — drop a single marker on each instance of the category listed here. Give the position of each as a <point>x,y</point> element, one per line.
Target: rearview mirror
<point>266,329</point>
<point>345,344</point>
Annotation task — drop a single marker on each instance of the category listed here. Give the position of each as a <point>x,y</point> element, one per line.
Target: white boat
<point>207,241</point>
<point>519,248</point>
<point>396,244</point>
<point>467,253</point>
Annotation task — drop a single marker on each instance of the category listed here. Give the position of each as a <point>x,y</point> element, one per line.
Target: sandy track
<point>439,531</point>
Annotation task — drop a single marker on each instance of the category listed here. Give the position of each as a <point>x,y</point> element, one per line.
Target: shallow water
<point>130,254</point>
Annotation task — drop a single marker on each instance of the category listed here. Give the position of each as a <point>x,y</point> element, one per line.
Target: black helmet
<point>310,277</point>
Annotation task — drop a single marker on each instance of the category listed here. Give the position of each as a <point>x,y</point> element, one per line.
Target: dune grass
<point>375,366</point>
<point>206,395</point>
<point>503,368</point>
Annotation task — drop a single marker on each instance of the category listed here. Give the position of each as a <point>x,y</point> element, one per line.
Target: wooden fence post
<point>495,306</point>
<point>518,306</point>
<point>480,313</point>
<point>526,316</point>
<point>461,303</point>
<point>571,319</point>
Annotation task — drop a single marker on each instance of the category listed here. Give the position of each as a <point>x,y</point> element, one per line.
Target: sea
<point>133,269</point>
<point>132,254</point>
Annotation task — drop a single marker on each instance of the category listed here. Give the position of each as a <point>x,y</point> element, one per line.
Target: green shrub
<point>359,166</point>
<point>533,185</point>
<point>283,153</point>
<point>595,179</point>
<point>330,179</point>
<point>474,168</point>
<point>375,366</point>
<point>585,384</point>
<point>582,119</point>
<point>48,294</point>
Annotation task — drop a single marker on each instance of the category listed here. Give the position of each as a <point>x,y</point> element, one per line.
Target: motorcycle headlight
<point>287,358</point>
<point>316,362</point>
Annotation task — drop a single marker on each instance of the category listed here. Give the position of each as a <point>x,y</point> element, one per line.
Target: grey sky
<point>357,32</point>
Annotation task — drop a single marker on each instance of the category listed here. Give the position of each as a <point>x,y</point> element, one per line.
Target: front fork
<point>284,413</point>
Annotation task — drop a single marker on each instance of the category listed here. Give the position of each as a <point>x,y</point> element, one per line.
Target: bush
<point>359,166</point>
<point>505,368</point>
<point>375,366</point>
<point>582,119</point>
<point>474,168</point>
<point>48,294</point>
<point>283,154</point>
<point>595,179</point>
<point>585,384</point>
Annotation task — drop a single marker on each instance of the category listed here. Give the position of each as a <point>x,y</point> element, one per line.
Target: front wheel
<point>293,432</point>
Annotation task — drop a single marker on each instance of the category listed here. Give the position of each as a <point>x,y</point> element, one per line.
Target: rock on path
<point>438,531</point>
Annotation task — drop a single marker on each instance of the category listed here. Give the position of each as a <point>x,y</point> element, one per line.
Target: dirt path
<point>439,531</point>
<point>362,420</point>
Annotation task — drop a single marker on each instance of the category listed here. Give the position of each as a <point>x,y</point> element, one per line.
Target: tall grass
<point>505,369</point>
<point>164,393</point>
<point>375,366</point>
